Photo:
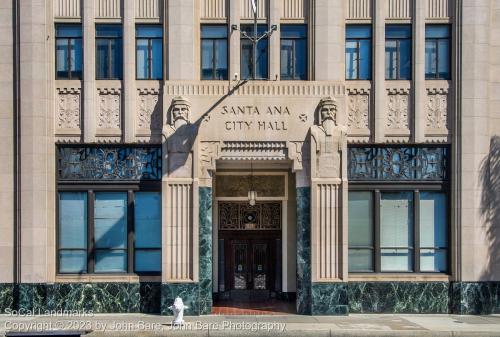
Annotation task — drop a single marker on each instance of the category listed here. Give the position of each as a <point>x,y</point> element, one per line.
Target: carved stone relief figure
<point>68,109</point>
<point>180,112</point>
<point>329,140</point>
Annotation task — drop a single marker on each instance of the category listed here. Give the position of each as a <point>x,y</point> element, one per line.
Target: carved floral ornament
<point>397,111</point>
<point>68,109</point>
<point>437,111</point>
<point>109,109</point>
<point>358,111</point>
<point>148,110</point>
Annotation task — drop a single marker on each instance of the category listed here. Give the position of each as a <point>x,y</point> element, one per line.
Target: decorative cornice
<point>358,91</point>
<point>148,91</point>
<point>70,90</point>
<point>398,91</point>
<point>109,91</point>
<point>438,91</point>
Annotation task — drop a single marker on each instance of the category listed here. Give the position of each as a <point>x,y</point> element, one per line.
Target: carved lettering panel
<point>68,109</point>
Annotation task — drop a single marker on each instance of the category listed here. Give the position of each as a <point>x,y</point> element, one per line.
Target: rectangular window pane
<point>437,31</point>
<point>301,59</point>
<point>396,230</point>
<point>444,59</point>
<point>207,59</point>
<point>102,59</point>
<point>358,32</point>
<point>73,220</point>
<point>76,58</point>
<point>286,59</point>
<point>430,59</point>
<point>72,232</point>
<point>110,220</point>
<point>113,261</point>
<point>398,31</point>
<point>213,32</point>
<point>62,66</point>
<point>396,219</point>
<point>262,67</point>
<point>246,59</point>
<point>433,223</point>
<point>149,31</point>
<point>114,31</point>
<point>396,260</point>
<point>157,61</point>
<point>433,260</point>
<point>391,60</point>
<point>142,59</point>
<point>221,59</point>
<point>405,59</point>
<point>73,261</point>
<point>351,59</point>
<point>293,31</point>
<point>148,260</point>
<point>262,59</point>
<point>63,30</point>
<point>147,213</point>
<point>360,219</point>
<point>116,61</point>
<point>365,59</point>
<point>360,260</point>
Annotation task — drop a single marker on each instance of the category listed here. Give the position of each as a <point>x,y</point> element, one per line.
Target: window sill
<point>97,278</point>
<point>400,277</point>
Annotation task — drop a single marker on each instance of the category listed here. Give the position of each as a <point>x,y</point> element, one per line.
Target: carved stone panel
<point>149,112</point>
<point>398,112</point>
<point>436,117</point>
<point>358,113</point>
<point>68,111</point>
<point>109,112</point>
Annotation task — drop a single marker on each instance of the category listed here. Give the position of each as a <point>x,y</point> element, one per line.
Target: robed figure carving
<point>329,141</point>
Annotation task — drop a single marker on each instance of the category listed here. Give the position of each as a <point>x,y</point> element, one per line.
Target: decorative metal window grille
<point>242,216</point>
<point>398,163</point>
<point>109,163</point>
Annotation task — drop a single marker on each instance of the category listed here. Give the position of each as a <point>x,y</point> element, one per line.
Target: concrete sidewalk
<point>290,325</point>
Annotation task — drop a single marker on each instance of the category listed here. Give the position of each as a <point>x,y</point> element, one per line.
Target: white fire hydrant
<point>178,309</point>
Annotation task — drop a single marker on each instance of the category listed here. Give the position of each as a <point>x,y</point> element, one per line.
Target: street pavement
<point>138,325</point>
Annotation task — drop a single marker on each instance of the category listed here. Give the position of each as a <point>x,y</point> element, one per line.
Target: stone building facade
<point>309,150</point>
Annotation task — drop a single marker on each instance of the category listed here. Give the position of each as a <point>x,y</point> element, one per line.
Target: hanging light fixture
<point>252,193</point>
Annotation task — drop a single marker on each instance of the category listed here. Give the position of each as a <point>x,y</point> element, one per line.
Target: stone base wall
<point>142,297</point>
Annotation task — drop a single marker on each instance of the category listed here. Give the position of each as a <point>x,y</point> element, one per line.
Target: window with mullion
<point>109,52</point>
<point>293,52</point>
<point>358,52</point>
<point>214,52</point>
<point>149,52</point>
<point>95,227</point>
<point>69,52</point>
<point>247,54</point>
<point>398,50</point>
<point>437,52</point>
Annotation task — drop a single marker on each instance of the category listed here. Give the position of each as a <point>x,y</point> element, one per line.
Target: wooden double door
<point>250,266</point>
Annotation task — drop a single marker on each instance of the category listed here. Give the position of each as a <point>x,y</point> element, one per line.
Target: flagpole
<point>255,31</point>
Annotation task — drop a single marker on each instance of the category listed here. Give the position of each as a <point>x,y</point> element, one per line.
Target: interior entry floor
<point>267,307</point>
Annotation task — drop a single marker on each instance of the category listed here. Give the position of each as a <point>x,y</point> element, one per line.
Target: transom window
<point>437,52</point>
<point>214,52</point>
<point>247,55</point>
<point>293,52</point>
<point>69,53</point>
<point>398,52</point>
<point>109,216</point>
<point>149,54</point>
<point>358,52</point>
<point>109,52</point>
<point>398,209</point>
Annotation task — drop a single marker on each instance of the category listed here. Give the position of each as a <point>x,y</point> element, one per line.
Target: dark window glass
<point>247,54</point>
<point>398,51</point>
<point>109,52</point>
<point>294,52</point>
<point>69,52</point>
<point>437,52</point>
<point>358,53</point>
<point>149,52</point>
<point>214,53</point>
<point>147,231</point>
<point>361,246</point>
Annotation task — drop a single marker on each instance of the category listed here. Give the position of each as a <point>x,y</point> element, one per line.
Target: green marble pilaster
<point>6,297</point>
<point>205,223</point>
<point>32,297</point>
<point>303,303</point>
<point>475,298</point>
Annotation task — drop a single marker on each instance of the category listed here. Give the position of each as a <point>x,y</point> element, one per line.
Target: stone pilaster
<point>420,93</point>
<point>129,69</point>
<point>89,84</point>
<point>274,40</point>
<point>234,39</point>
<point>181,34</point>
<point>379,71</point>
